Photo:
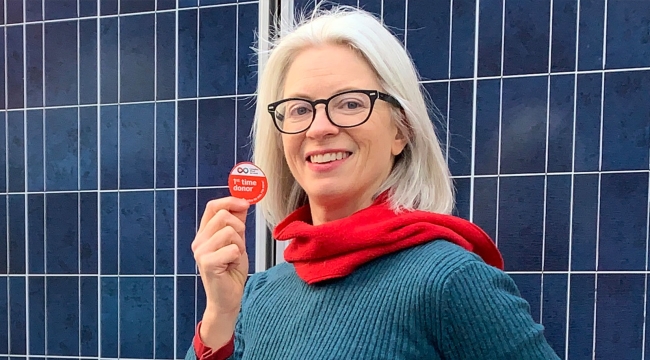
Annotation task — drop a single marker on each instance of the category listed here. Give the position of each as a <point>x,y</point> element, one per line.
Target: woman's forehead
<point>319,72</point>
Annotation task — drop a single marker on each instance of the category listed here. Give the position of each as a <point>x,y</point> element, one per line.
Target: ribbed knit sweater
<point>432,301</point>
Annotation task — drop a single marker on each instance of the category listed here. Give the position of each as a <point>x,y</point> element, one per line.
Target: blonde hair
<point>420,178</point>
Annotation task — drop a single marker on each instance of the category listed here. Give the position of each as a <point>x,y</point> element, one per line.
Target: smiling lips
<point>328,157</point>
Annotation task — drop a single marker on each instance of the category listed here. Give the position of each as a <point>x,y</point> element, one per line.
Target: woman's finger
<point>235,206</point>
<point>222,238</point>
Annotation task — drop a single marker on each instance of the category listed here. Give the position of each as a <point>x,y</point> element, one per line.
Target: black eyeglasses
<point>345,110</point>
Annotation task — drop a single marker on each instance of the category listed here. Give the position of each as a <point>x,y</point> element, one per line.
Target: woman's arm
<point>231,351</point>
<point>484,317</point>
<point>234,349</point>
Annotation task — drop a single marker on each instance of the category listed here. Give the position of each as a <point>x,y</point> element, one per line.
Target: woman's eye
<point>352,105</point>
<point>299,110</point>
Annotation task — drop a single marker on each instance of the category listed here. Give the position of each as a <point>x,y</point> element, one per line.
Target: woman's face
<point>339,168</point>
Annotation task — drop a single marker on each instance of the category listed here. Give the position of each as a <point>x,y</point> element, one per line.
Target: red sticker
<point>248,182</point>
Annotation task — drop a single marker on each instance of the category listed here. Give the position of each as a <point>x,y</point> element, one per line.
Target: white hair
<point>419,179</point>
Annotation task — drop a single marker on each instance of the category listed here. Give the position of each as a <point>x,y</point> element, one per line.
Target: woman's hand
<point>220,253</point>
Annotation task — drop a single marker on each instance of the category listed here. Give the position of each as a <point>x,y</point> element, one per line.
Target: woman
<point>376,267</point>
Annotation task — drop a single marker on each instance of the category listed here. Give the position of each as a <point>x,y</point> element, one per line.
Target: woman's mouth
<point>328,157</point>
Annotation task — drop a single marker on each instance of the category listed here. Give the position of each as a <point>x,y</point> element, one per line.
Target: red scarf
<point>335,249</point>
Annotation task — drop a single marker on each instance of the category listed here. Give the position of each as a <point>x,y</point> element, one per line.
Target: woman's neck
<point>326,211</point>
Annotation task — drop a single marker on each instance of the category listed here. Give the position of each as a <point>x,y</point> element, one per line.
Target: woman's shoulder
<point>264,278</point>
<point>441,265</point>
<point>274,273</point>
<point>441,256</point>
<point>452,274</point>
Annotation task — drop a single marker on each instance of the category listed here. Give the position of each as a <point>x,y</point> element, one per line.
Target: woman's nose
<point>321,126</point>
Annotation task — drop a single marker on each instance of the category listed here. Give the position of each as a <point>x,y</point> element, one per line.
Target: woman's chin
<point>326,195</point>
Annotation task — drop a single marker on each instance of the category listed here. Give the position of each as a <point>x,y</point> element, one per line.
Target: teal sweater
<point>433,301</point>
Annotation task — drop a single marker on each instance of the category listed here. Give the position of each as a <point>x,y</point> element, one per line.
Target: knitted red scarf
<point>335,249</point>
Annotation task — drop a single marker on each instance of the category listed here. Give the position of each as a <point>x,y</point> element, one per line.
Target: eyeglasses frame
<point>374,95</point>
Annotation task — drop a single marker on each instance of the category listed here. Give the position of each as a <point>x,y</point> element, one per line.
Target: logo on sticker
<point>248,182</point>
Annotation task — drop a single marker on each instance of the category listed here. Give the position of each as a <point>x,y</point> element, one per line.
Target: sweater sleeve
<point>234,350</point>
<point>484,317</point>
<point>202,352</point>
<point>231,351</point>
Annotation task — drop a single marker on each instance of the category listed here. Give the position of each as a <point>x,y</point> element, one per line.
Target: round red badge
<point>248,182</point>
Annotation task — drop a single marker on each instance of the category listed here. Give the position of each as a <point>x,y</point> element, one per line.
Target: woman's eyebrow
<point>303,95</point>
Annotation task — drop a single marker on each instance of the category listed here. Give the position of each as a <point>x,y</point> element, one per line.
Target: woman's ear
<point>401,139</point>
<point>399,143</point>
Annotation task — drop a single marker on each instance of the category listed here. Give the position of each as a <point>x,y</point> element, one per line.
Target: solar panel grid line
<point>645,288</point>
<point>99,180</point>
<point>25,202</point>
<point>79,249</point>
<point>260,231</point>
<point>119,181</point>
<point>597,243</point>
<point>170,276</point>
<point>13,356</point>
<point>236,54</point>
<point>406,17</point>
<point>192,276</point>
<point>572,196</point>
<point>571,206</point>
<point>6,125</point>
<point>108,276</point>
<point>600,168</point>
<point>477,176</point>
<point>175,225</point>
<point>472,167</point>
<point>45,202</point>
<point>451,24</point>
<point>155,179</point>
<point>579,272</point>
<point>85,17</point>
<point>546,140</point>
<point>196,157</point>
<point>115,191</point>
<point>500,131</point>
<point>228,96</point>
<point>558,173</point>
<point>6,140</point>
<point>536,74</point>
